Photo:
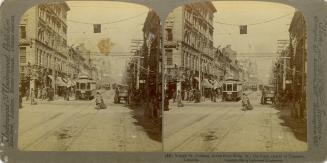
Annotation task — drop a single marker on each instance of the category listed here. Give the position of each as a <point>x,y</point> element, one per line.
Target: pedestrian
<point>44,93</point>
<point>174,95</point>
<point>179,99</point>
<point>67,93</point>
<point>38,93</point>
<point>20,97</point>
<point>190,94</point>
<point>98,100</point>
<point>197,96</point>
<point>27,93</point>
<point>33,102</point>
<point>213,94</point>
<point>263,94</point>
<point>166,101</point>
<point>246,105</point>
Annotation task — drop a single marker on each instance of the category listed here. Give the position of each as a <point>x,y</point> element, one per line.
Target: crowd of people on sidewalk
<point>190,95</point>
<point>46,93</point>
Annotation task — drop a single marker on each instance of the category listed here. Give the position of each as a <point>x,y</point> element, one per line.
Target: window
<point>82,86</point>
<point>186,59</point>
<point>23,31</point>
<point>169,54</point>
<point>229,87</point>
<point>183,61</point>
<point>234,87</point>
<point>88,86</point>
<point>22,55</point>
<point>36,57</point>
<point>169,34</point>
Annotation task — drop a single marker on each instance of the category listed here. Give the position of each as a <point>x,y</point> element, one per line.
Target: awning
<point>206,83</point>
<point>74,82</point>
<point>51,77</point>
<point>60,82</point>
<point>217,84</point>
<point>69,83</point>
<point>197,79</point>
<point>64,80</point>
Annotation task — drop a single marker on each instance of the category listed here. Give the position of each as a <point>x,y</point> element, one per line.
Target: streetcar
<point>85,88</point>
<point>107,86</point>
<point>232,90</point>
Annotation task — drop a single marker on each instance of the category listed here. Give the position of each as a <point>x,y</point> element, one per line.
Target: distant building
<point>87,67</point>
<point>234,70</point>
<point>221,64</point>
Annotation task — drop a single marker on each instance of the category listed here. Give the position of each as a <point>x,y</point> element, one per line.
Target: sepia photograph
<point>89,78</point>
<point>235,78</point>
<point>163,81</point>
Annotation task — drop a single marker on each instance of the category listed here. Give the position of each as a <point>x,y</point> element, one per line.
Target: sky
<point>260,39</point>
<point>272,19</point>
<point>128,18</point>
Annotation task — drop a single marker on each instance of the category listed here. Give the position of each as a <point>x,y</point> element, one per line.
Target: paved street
<point>223,127</point>
<point>76,126</point>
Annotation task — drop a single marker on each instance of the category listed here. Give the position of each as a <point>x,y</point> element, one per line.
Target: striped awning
<point>60,82</point>
<point>206,84</point>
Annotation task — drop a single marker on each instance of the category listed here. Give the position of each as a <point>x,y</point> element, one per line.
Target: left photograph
<point>90,78</point>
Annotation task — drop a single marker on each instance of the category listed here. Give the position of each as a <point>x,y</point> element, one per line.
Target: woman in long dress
<point>179,99</point>
<point>98,100</point>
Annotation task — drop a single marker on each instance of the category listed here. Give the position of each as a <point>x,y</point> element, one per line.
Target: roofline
<point>213,8</point>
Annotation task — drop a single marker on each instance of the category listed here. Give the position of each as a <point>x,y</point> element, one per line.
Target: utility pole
<point>284,74</point>
<point>200,75</point>
<point>135,48</point>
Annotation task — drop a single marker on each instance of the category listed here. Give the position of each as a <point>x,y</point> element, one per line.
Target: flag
<point>243,29</point>
<point>97,28</point>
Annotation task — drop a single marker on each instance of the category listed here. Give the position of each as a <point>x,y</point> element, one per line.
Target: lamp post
<point>200,75</point>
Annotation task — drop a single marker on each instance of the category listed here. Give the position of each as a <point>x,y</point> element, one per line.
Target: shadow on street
<point>298,127</point>
<point>151,127</point>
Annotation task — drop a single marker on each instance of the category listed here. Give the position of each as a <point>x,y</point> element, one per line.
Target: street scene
<point>89,78</point>
<point>235,78</point>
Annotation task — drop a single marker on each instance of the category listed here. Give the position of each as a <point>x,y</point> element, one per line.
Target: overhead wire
<point>258,23</point>
<point>112,22</point>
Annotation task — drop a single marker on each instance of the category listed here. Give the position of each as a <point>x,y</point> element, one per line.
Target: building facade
<point>188,46</point>
<point>298,64</point>
<point>43,45</point>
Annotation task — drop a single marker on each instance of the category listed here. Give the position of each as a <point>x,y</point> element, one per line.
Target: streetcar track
<point>79,132</point>
<point>194,136</point>
<point>60,125</point>
<point>196,120</point>
<point>38,124</point>
<point>76,135</point>
<point>228,131</point>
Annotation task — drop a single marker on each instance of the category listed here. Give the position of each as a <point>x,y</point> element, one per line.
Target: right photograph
<point>235,78</point>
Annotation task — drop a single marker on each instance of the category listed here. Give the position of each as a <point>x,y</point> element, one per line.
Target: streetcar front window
<point>88,86</point>
<point>234,87</point>
<point>82,86</point>
<point>229,87</point>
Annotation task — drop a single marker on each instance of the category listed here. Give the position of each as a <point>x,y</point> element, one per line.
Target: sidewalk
<point>40,101</point>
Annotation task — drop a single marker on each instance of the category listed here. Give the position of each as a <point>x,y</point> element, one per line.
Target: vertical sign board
<point>97,28</point>
<point>243,29</point>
